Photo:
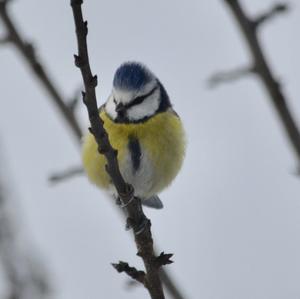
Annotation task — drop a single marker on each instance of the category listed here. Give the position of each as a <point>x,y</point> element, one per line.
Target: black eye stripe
<point>140,99</point>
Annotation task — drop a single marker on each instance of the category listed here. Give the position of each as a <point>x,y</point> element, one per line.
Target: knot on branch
<point>163,259</point>
<point>85,28</point>
<point>79,62</point>
<point>130,271</point>
<point>94,81</point>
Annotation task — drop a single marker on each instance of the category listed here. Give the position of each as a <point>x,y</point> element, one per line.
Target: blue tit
<point>145,130</point>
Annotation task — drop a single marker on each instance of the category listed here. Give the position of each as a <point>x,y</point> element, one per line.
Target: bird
<point>146,132</point>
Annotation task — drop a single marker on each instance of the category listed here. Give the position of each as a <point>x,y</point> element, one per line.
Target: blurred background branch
<point>28,52</point>
<point>259,66</point>
<point>66,174</point>
<point>25,274</point>
<point>67,109</point>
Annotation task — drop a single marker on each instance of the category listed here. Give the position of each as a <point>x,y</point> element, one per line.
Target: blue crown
<point>132,76</point>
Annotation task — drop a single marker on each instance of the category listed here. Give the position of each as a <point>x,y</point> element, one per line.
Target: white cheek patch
<point>110,107</point>
<point>147,108</point>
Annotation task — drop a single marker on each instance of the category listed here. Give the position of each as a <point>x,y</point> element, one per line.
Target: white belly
<point>142,179</point>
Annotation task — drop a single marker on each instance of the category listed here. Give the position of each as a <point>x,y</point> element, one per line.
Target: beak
<point>120,108</point>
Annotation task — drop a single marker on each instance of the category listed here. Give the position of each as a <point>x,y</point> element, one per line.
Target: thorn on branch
<point>163,259</point>
<point>86,29</point>
<point>83,94</point>
<point>94,81</point>
<point>130,271</point>
<point>229,76</point>
<point>277,9</point>
<point>79,62</point>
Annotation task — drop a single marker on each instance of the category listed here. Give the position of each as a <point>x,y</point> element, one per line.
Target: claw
<point>124,205</point>
<point>138,228</point>
<point>141,227</point>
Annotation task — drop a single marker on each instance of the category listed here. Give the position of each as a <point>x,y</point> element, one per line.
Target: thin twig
<point>132,272</point>
<point>67,174</point>
<point>249,29</point>
<point>28,53</point>
<point>275,10</point>
<point>229,76</point>
<point>143,239</point>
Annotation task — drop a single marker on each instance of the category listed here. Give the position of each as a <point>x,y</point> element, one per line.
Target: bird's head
<point>136,95</point>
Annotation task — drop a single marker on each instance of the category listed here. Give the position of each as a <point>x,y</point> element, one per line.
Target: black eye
<point>115,101</point>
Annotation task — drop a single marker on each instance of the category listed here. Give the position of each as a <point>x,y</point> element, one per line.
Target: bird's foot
<point>138,227</point>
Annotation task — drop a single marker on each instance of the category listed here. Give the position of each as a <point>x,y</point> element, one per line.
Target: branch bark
<point>143,237</point>
<point>249,29</point>
<point>27,50</point>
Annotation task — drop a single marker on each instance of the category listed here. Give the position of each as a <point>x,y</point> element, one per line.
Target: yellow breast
<point>161,137</point>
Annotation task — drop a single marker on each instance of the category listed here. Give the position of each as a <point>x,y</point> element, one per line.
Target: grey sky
<point>232,217</point>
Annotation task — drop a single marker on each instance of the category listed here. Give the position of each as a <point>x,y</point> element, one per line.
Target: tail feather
<point>153,202</point>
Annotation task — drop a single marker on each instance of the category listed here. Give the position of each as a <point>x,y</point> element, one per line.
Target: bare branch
<point>163,259</point>
<point>66,174</point>
<point>143,237</point>
<point>229,76</point>
<point>67,108</point>
<point>28,53</point>
<point>130,271</point>
<point>263,71</point>
<point>275,10</point>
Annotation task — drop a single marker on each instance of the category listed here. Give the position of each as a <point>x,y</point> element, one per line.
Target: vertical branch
<point>138,220</point>
<point>14,37</point>
<point>249,28</point>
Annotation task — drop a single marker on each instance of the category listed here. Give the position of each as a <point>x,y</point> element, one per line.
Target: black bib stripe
<point>135,152</point>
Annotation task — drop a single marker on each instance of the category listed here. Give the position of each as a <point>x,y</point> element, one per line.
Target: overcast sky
<point>232,217</point>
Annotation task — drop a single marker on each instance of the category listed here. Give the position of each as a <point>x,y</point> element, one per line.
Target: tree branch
<point>143,238</point>
<point>28,52</point>
<point>130,271</point>
<point>66,174</point>
<point>275,10</point>
<point>229,76</point>
<point>248,28</point>
<point>65,107</point>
